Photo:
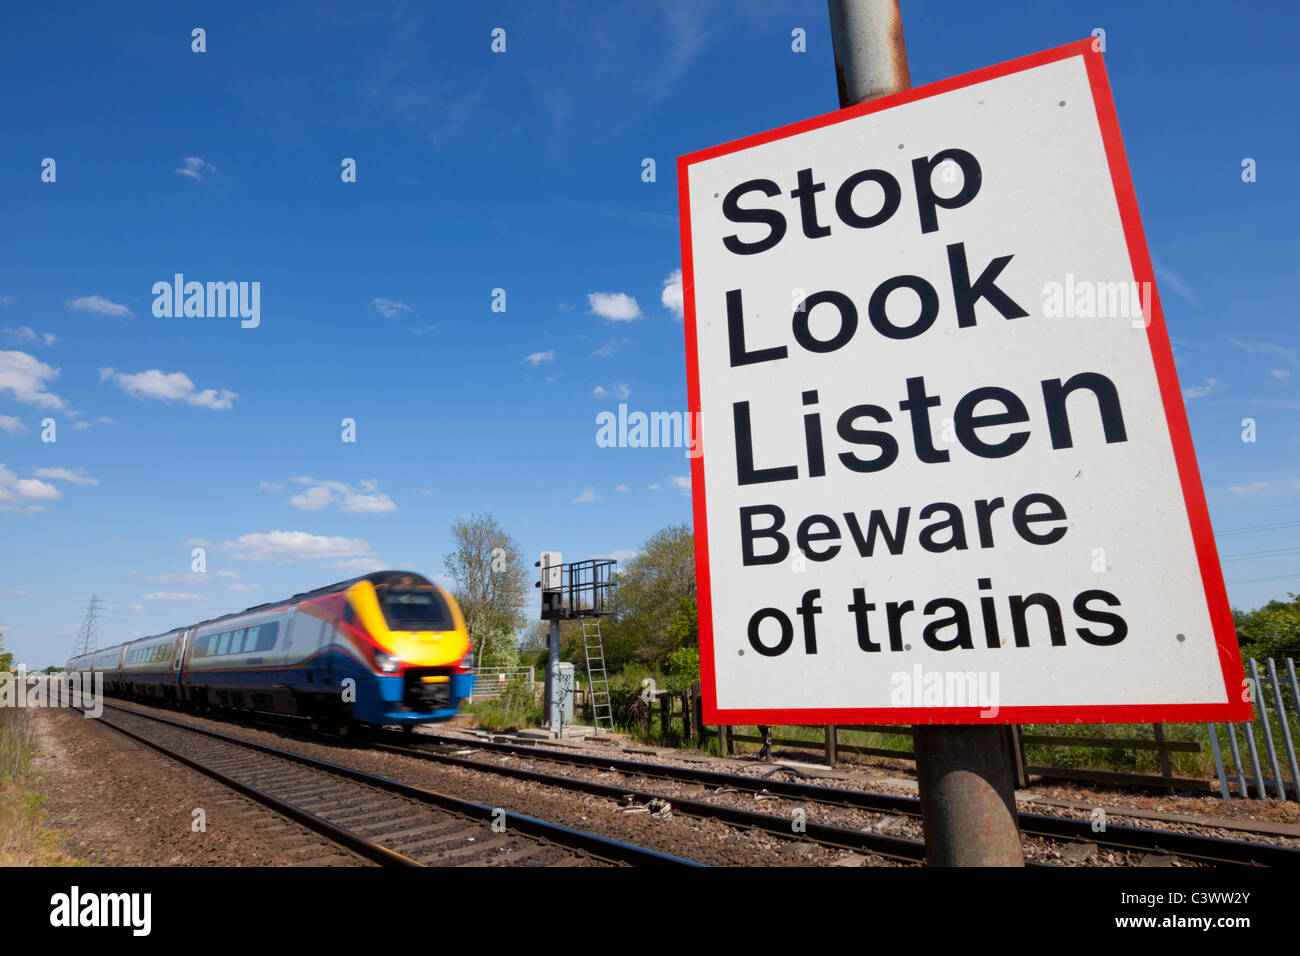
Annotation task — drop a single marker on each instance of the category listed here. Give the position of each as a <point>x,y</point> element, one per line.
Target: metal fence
<point>492,682</point>
<point>1276,725</point>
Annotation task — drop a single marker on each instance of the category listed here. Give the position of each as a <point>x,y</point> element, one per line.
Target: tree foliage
<point>491,585</point>
<point>654,601</point>
<point>1270,631</point>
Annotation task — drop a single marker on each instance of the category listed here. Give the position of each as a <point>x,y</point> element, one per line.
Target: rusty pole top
<point>870,56</point>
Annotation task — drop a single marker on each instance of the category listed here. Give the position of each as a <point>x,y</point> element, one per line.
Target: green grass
<point>517,708</point>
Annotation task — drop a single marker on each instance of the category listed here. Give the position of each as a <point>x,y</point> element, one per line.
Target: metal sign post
<point>968,805</point>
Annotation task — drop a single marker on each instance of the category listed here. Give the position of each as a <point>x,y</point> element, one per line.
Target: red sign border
<point>1236,708</point>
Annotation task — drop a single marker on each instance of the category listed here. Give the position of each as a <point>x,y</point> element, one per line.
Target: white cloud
<point>1251,489</point>
<point>82,426</point>
<point>25,376</point>
<point>610,347</point>
<point>170,387</point>
<point>194,167</point>
<point>1200,391</point>
<point>1280,373</point>
<point>288,546</point>
<point>25,333</point>
<point>21,494</point>
<point>66,474</point>
<point>97,304</point>
<point>1174,282</point>
<point>269,486</point>
<point>599,392</point>
<point>655,487</point>
<point>229,574</point>
<point>622,391</point>
<point>622,488</point>
<point>171,596</point>
<point>245,587</point>
<point>537,358</point>
<point>11,426</point>
<point>389,307</point>
<point>616,306</point>
<point>321,494</point>
<point>359,565</point>
<point>672,294</point>
<point>588,495</point>
<point>681,482</point>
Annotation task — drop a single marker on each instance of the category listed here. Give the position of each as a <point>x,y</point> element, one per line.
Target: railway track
<point>383,820</point>
<point>451,751</point>
<point>1198,848</point>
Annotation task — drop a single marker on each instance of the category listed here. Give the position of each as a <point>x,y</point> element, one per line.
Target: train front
<point>419,647</point>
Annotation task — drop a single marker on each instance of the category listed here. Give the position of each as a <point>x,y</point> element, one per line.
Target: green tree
<point>1270,631</point>
<point>653,591</point>
<point>491,584</point>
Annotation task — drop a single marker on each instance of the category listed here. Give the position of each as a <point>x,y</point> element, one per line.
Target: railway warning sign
<point>946,472</point>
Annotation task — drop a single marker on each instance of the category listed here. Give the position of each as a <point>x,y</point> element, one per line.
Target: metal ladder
<point>602,712</point>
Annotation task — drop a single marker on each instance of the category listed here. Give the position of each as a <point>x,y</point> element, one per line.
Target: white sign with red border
<point>946,472</point>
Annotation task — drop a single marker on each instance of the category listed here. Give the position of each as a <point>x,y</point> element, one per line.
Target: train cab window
<point>414,609</point>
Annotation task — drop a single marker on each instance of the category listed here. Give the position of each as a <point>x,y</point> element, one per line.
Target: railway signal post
<point>576,591</point>
<point>928,494</point>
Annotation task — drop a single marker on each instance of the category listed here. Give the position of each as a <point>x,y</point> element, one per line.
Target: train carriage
<point>149,666</point>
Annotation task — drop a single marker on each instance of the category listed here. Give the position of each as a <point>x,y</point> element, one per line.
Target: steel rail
<point>604,848</point>
<point>336,834</point>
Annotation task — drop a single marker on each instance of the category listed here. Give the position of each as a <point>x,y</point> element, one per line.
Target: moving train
<point>398,638</point>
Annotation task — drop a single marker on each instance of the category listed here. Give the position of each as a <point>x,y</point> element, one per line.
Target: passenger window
<point>237,641</point>
<point>223,643</point>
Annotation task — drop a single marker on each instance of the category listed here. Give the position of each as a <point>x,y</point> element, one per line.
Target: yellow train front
<point>387,648</point>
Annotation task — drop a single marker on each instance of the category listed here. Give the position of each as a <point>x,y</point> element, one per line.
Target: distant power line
<point>1258,527</point>
<point>1280,577</point>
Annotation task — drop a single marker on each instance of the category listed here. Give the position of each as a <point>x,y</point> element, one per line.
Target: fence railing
<point>492,682</point>
<point>1275,698</point>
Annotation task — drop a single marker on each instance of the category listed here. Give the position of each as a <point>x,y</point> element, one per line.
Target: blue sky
<point>519,171</point>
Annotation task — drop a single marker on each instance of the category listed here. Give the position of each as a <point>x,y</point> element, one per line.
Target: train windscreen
<point>415,609</point>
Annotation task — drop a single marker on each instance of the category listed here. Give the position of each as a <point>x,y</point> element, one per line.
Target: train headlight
<point>386,662</point>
